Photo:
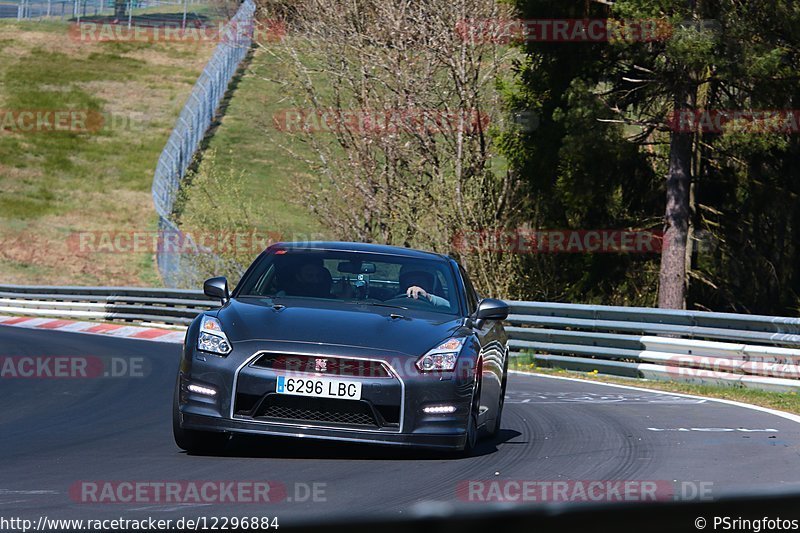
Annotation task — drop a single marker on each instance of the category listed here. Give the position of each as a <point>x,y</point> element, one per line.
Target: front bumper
<point>397,402</point>
<point>434,441</point>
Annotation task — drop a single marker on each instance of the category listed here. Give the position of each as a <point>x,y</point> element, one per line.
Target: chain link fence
<point>176,269</point>
<point>77,9</point>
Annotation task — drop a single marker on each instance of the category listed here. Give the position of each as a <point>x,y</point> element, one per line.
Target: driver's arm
<point>437,301</point>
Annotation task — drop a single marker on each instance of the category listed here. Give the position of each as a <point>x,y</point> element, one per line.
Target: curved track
<point>58,432</point>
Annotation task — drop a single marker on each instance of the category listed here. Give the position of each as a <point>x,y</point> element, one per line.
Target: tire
<point>194,441</point>
<point>494,430</point>
<point>472,425</point>
<point>472,434</point>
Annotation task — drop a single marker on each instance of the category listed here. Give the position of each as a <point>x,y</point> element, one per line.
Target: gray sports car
<point>348,342</point>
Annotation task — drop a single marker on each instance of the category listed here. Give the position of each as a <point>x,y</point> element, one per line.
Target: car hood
<point>337,323</point>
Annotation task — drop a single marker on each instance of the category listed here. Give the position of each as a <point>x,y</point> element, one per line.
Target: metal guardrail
<point>644,320</point>
<point>707,348</point>
<point>699,347</point>
<point>189,131</point>
<point>165,306</point>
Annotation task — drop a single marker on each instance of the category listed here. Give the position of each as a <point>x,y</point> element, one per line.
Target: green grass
<point>247,142</point>
<point>55,183</point>
<point>782,401</point>
<point>194,9</point>
<point>76,160</point>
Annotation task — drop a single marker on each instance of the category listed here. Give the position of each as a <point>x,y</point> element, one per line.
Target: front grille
<point>318,410</point>
<point>390,414</point>
<point>328,366</point>
<point>245,403</point>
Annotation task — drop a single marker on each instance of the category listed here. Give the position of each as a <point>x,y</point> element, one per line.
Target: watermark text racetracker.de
<point>196,492</point>
<point>718,121</point>
<point>63,121</point>
<point>50,120</point>
<point>180,242</point>
<point>681,367</point>
<point>170,30</point>
<point>538,241</point>
<point>72,367</point>
<point>624,490</point>
<point>564,30</point>
<point>381,121</point>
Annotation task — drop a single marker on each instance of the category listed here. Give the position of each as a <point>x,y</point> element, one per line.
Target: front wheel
<point>194,441</point>
<point>494,431</point>
<point>472,424</point>
<point>472,434</point>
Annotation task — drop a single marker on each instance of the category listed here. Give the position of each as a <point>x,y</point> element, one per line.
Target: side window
<point>472,296</point>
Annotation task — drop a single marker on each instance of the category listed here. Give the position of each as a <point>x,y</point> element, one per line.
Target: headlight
<point>211,338</point>
<point>443,358</point>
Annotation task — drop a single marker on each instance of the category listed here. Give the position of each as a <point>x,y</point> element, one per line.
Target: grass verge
<point>247,143</point>
<point>57,185</point>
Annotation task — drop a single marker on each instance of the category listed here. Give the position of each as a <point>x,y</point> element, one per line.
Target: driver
<point>417,283</point>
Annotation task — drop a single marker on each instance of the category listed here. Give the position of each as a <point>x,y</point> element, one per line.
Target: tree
<point>579,171</point>
<point>651,80</point>
<point>747,180</point>
<point>731,209</point>
<point>399,111</point>
<point>716,56</point>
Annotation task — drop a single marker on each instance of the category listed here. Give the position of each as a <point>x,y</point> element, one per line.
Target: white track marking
<point>787,416</point>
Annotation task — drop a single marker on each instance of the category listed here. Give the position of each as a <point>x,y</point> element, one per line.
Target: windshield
<point>354,277</point>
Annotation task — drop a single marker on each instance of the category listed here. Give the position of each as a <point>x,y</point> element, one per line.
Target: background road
<point>56,432</point>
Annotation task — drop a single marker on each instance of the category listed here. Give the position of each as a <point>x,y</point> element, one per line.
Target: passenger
<point>310,280</point>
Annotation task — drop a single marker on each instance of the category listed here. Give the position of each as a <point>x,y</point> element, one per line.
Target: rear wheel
<point>194,441</point>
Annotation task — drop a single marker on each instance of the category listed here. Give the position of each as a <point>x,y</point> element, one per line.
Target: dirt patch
<point>51,247</point>
<point>101,183</point>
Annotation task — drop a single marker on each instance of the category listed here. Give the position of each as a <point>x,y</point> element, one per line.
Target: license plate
<point>319,388</point>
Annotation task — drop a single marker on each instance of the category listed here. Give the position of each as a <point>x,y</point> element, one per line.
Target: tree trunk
<point>672,279</point>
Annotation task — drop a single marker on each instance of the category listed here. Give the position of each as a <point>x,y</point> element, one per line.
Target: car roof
<point>361,247</point>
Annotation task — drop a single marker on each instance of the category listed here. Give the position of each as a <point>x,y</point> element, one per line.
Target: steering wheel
<point>404,299</point>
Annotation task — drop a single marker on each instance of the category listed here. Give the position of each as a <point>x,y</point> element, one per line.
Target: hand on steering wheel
<point>418,293</point>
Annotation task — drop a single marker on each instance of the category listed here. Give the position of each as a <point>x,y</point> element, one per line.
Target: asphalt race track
<point>56,433</point>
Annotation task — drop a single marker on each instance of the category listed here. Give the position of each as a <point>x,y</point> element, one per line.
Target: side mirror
<point>217,288</point>
<point>490,309</point>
